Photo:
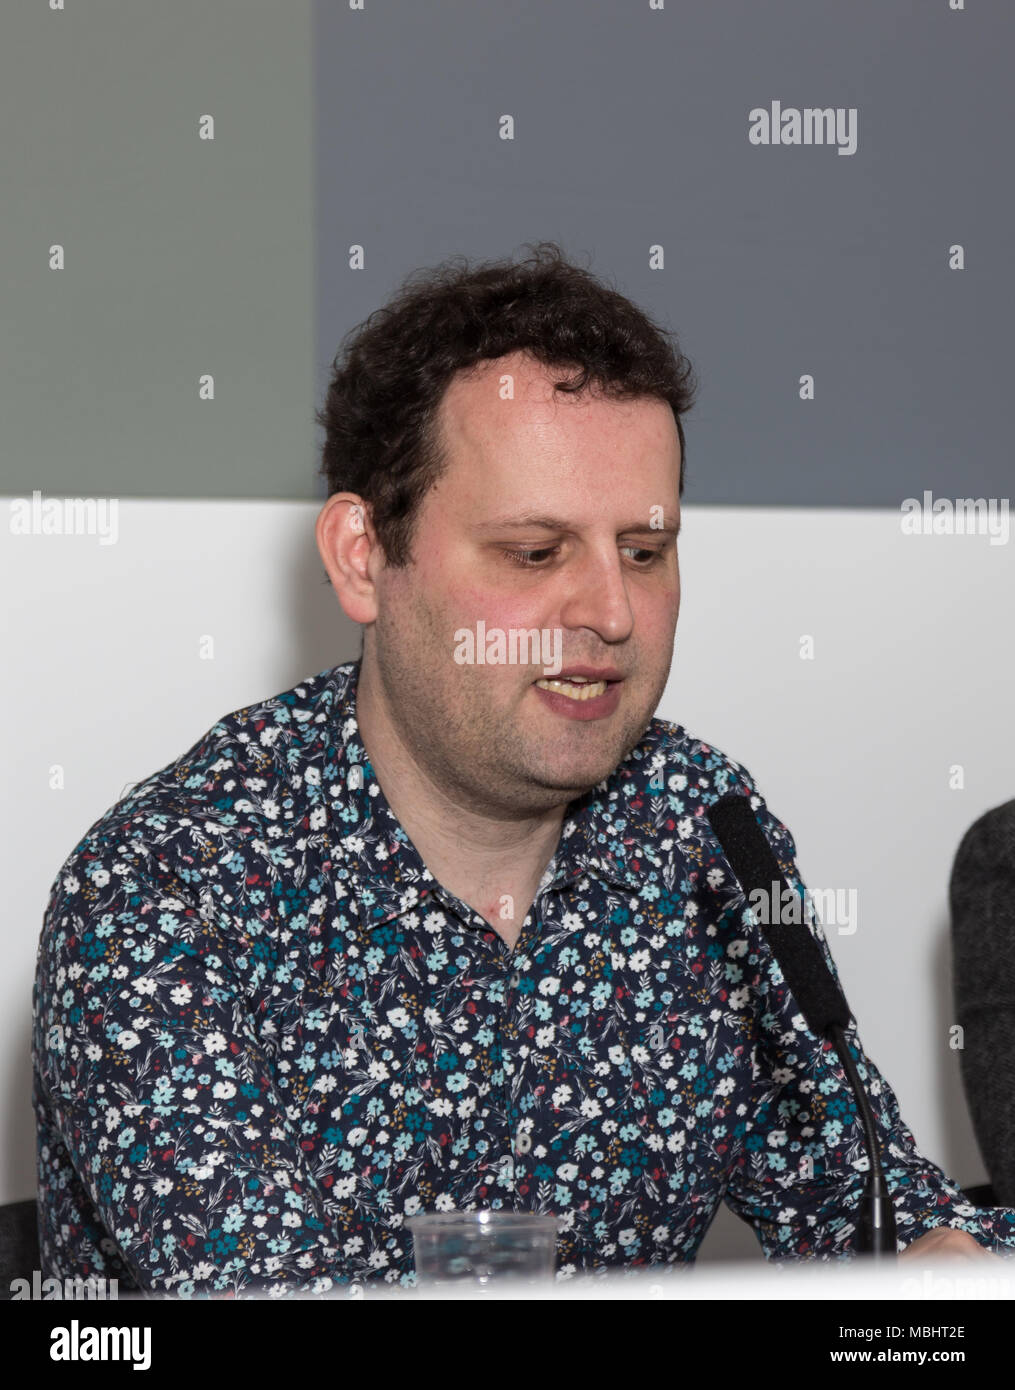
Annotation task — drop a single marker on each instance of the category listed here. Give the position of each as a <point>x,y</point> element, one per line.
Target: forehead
<point>504,426</point>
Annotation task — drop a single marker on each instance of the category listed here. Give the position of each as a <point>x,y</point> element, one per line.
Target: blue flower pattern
<point>264,1035</point>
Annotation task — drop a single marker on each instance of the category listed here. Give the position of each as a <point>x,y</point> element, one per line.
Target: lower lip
<point>597,707</point>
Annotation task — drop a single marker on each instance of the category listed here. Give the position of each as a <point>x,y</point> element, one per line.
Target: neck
<point>491,861</point>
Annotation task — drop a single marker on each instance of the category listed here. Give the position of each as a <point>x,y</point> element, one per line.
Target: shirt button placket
<point>522,1140</point>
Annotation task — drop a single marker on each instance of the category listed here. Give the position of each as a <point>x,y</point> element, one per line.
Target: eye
<point>643,556</point>
<point>530,559</point>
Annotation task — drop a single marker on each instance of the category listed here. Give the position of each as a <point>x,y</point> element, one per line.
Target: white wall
<point>913,672</point>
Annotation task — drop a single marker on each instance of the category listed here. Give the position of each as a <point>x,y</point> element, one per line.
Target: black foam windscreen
<point>796,950</point>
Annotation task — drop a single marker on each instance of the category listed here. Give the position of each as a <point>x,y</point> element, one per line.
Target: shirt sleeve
<point>802,1164</point>
<point>159,1090</point>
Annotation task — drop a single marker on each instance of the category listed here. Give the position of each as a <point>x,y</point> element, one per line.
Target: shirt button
<point>523,1141</point>
<point>515,980</point>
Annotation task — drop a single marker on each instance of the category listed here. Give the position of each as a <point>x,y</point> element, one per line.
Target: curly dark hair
<point>392,370</point>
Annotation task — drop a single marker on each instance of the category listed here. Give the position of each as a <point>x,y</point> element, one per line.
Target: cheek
<point>655,613</point>
<point>497,609</point>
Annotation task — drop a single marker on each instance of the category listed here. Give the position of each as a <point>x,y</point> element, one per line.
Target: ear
<point>351,553</point>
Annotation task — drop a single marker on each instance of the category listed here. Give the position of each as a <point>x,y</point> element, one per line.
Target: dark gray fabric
<point>982,898</point>
<point>19,1244</point>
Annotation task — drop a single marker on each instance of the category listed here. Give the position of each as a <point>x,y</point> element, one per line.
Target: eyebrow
<point>541,522</point>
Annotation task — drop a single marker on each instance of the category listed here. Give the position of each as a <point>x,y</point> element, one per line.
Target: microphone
<point>813,986</point>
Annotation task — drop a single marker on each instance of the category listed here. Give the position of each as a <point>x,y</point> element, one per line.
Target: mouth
<point>574,687</point>
<point>582,693</point>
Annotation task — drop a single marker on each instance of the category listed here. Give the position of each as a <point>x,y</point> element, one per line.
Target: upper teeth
<point>575,688</point>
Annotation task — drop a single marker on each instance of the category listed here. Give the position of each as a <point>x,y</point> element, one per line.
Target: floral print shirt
<point>264,1034</point>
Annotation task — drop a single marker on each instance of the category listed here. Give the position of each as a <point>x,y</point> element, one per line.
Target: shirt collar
<point>606,832</point>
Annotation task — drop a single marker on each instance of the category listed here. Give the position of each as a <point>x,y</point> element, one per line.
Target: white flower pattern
<point>263,1035</point>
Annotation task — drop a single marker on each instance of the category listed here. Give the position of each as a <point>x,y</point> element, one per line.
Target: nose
<point>597,597</point>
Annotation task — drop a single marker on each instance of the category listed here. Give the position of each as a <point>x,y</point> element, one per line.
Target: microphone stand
<point>818,993</point>
<point>875,1227</point>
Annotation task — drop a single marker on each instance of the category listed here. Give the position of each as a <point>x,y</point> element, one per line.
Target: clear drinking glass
<point>483,1248</point>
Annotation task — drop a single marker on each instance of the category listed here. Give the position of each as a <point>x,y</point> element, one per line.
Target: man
<point>447,927</point>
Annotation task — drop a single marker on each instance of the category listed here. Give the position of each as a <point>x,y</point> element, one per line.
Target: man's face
<point>556,513</point>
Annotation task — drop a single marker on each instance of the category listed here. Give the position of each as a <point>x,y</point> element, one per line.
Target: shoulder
<point>242,781</point>
<point>667,784</point>
<point>691,769</point>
